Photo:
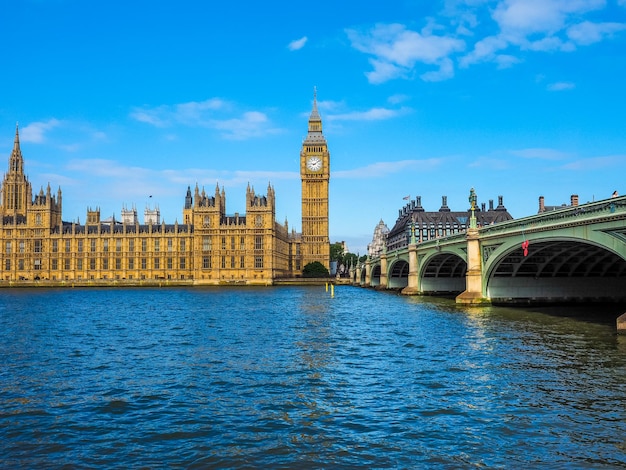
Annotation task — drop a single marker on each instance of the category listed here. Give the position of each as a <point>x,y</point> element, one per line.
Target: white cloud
<point>151,116</point>
<point>519,19</point>
<point>250,124</point>
<point>297,44</point>
<point>586,33</point>
<point>72,148</point>
<point>374,114</point>
<point>35,132</point>
<point>377,170</point>
<point>596,163</point>
<point>540,153</point>
<point>141,181</point>
<point>561,86</point>
<point>396,50</point>
<point>214,113</point>
<point>541,26</point>
<point>499,29</point>
<point>505,61</point>
<point>446,70</point>
<point>396,99</point>
<point>191,113</point>
<point>484,51</point>
<point>107,168</point>
<point>328,105</point>
<point>547,44</point>
<point>384,71</point>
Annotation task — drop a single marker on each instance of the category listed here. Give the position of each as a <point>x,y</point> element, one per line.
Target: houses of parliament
<point>209,247</point>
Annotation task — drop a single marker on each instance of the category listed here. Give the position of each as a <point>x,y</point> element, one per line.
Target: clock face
<point>314,163</point>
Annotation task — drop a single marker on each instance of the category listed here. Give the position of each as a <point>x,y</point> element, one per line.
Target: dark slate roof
<point>130,228</point>
<point>414,212</point>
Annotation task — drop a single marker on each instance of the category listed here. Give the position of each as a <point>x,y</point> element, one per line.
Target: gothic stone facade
<point>209,247</point>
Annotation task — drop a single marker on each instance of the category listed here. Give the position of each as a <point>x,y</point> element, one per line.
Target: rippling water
<point>292,378</point>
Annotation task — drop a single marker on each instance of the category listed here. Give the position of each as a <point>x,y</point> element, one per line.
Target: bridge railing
<point>606,208</point>
<point>609,208</point>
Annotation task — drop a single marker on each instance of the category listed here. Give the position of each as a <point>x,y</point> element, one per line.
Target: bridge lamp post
<point>472,200</point>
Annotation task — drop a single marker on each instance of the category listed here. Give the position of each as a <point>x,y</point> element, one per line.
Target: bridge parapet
<point>611,209</point>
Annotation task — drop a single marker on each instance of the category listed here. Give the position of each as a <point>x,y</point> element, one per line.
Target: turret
<point>188,198</point>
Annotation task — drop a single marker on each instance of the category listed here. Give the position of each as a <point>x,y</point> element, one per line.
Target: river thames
<point>290,377</point>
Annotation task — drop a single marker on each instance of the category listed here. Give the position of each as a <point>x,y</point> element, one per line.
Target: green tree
<point>315,269</point>
<point>336,253</point>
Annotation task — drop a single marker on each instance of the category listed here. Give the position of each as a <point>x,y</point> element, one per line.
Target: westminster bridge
<point>573,254</point>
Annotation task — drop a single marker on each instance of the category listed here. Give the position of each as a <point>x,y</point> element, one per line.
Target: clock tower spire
<point>315,175</point>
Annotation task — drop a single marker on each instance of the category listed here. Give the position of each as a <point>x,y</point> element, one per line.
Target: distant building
<point>378,239</point>
<point>544,208</point>
<point>430,225</point>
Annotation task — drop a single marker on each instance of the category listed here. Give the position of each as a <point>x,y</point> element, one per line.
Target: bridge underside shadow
<point>444,275</point>
<point>399,275</point>
<point>558,272</point>
<point>375,277</point>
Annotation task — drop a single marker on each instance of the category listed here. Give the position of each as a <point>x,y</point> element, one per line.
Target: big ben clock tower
<point>315,174</point>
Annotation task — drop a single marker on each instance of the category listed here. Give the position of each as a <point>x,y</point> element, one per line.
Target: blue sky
<point>119,101</point>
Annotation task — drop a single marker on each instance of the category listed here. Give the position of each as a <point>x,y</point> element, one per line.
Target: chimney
<point>444,204</point>
<point>419,207</point>
<point>574,200</point>
<point>490,204</point>
<point>542,207</point>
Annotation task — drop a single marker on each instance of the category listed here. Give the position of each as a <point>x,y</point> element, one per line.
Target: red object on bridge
<point>525,247</point>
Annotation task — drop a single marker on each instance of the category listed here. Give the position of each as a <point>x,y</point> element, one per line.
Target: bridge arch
<point>398,275</point>
<point>375,276</point>
<point>557,268</point>
<point>442,272</point>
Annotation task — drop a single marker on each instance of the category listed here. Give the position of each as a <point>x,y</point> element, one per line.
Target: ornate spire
<point>16,162</point>
<point>315,123</point>
<point>16,142</point>
<point>315,115</point>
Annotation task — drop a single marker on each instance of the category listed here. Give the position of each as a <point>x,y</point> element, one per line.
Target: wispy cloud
<point>596,163</point>
<point>379,169</point>
<point>540,153</point>
<point>36,131</point>
<point>297,44</point>
<point>586,33</point>
<point>113,169</point>
<point>105,168</point>
<point>395,51</point>
<point>214,113</point>
<point>497,31</point>
<point>134,183</point>
<point>397,99</point>
<point>491,163</point>
<point>561,86</point>
<point>374,114</point>
<point>250,124</point>
<point>541,25</point>
<point>191,113</point>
